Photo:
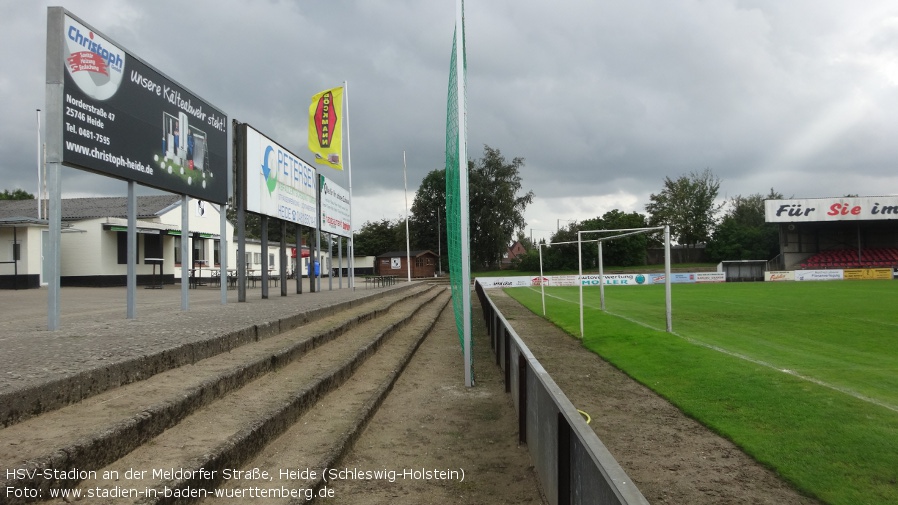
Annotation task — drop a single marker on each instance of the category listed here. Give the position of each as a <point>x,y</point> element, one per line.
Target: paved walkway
<point>94,332</point>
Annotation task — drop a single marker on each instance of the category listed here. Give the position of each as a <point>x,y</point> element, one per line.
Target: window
<point>249,259</point>
<point>152,247</point>
<point>216,252</point>
<point>177,250</point>
<point>419,262</point>
<point>270,260</point>
<point>122,238</point>
<point>199,249</point>
<point>258,258</point>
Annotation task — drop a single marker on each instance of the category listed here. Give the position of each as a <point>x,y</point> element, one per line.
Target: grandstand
<point>848,258</point>
<point>835,233</point>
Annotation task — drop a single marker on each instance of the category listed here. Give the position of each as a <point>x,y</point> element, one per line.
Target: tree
<point>16,194</point>
<point>378,237</point>
<point>687,205</point>
<point>427,221</point>
<point>496,210</point>
<point>743,233</point>
<point>624,251</point>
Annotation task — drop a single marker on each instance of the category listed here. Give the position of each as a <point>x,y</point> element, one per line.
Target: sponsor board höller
<point>614,280</point>
<point>123,118</point>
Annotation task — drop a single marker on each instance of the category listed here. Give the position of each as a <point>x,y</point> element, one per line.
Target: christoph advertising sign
<point>123,118</point>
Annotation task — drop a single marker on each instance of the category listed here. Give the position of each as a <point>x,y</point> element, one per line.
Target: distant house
<point>515,250</point>
<point>424,263</point>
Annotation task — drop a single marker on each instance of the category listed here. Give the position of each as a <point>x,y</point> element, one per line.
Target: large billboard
<point>123,118</point>
<point>865,208</point>
<point>278,183</point>
<point>336,213</point>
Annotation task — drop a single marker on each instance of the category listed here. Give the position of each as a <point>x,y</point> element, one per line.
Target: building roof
<point>89,208</point>
<point>414,254</point>
<point>21,222</point>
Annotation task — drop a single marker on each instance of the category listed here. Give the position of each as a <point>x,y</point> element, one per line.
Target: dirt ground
<point>431,421</point>
<point>427,423</point>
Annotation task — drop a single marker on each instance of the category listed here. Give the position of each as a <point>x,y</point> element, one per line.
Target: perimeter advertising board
<point>123,118</point>
<point>278,183</point>
<point>596,280</point>
<point>832,209</point>
<point>818,275</point>
<point>335,208</point>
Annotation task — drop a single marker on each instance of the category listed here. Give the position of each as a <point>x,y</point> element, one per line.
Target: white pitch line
<point>849,392</point>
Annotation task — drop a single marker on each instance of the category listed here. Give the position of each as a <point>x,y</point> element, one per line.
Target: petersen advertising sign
<point>278,183</point>
<point>123,118</point>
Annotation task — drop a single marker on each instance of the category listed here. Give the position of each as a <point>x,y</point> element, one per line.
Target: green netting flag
<point>457,193</point>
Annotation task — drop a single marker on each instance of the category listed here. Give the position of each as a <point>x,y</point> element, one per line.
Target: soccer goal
<point>623,232</point>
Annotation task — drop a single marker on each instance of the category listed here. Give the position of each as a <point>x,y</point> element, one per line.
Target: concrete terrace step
<point>242,394</point>
<point>140,361</point>
<point>331,426</point>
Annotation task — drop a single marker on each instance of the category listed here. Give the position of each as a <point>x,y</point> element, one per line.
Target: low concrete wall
<point>573,465</point>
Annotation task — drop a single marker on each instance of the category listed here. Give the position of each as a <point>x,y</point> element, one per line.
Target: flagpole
<point>39,192</point>
<point>351,247</point>
<point>408,249</point>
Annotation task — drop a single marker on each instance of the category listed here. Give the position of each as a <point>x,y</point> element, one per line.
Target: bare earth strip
<point>432,422</point>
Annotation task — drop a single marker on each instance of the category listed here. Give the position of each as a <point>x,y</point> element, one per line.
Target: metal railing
<point>572,464</point>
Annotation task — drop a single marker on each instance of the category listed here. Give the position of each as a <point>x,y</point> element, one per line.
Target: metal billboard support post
<point>55,221</point>
<point>282,272</point>
<point>54,125</point>
<point>330,257</point>
<point>297,272</point>
<point>317,240</point>
<point>263,219</point>
<point>240,196</point>
<point>185,253</point>
<point>223,253</point>
<point>340,258</point>
<point>131,250</point>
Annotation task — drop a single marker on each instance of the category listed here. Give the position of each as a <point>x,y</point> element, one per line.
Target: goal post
<point>624,232</point>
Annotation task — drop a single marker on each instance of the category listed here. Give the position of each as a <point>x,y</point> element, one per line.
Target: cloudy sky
<point>602,99</point>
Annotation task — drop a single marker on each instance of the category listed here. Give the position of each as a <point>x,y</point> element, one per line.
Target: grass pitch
<point>803,376</point>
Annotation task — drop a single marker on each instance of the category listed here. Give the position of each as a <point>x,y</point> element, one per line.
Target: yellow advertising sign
<point>325,124</point>
<point>868,273</point>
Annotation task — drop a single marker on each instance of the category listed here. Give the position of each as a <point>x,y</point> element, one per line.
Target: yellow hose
<point>585,416</point>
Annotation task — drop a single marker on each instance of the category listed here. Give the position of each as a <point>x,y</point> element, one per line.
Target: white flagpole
<point>350,249</point>
<point>40,192</point>
<point>408,249</point>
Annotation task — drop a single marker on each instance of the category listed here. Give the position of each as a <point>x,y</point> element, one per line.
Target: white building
<point>94,242</point>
